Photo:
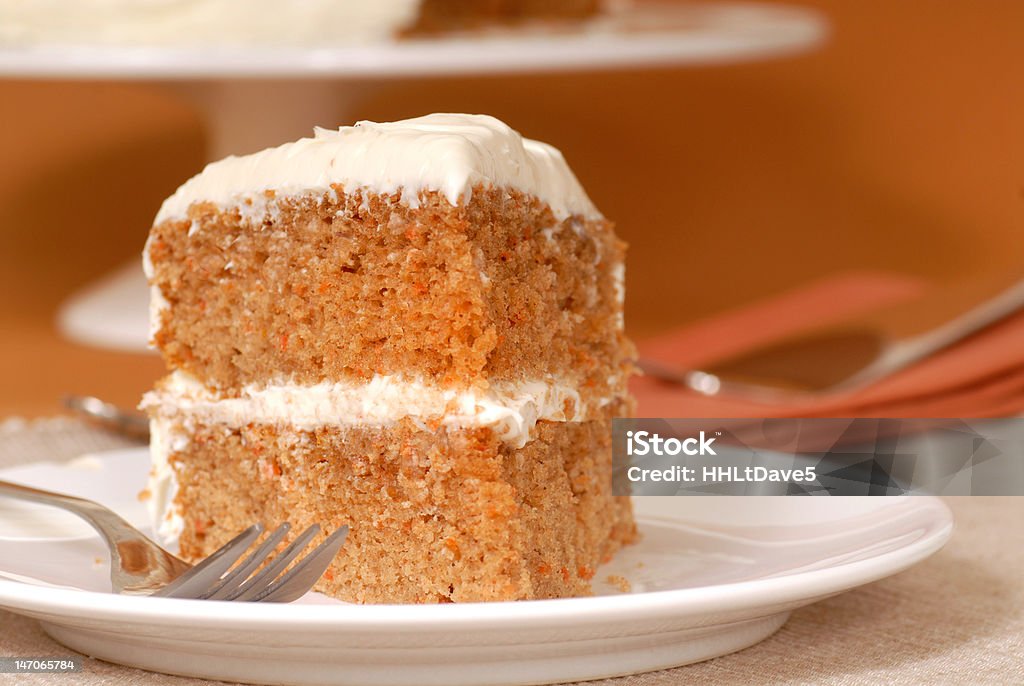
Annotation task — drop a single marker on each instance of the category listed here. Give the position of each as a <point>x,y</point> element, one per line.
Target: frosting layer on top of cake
<point>447,153</point>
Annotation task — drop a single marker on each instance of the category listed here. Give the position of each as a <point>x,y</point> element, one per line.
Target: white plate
<point>636,33</point>
<point>711,576</point>
<point>112,312</point>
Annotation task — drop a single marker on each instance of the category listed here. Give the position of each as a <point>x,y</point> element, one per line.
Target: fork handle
<point>109,525</point>
<point>130,550</point>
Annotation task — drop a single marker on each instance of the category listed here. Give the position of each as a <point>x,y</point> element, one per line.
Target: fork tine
<point>237,576</point>
<point>298,580</point>
<point>259,581</point>
<point>197,580</point>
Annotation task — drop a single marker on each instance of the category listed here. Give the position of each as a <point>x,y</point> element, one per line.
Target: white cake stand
<point>226,84</point>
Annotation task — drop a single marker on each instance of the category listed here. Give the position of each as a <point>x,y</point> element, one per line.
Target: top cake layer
<point>447,153</point>
<point>445,252</point>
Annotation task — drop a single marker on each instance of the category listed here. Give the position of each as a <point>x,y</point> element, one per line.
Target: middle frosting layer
<point>511,409</point>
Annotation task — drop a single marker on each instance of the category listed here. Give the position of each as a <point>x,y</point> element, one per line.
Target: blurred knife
<point>857,352</point>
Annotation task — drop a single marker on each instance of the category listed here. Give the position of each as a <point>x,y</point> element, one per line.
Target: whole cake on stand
<point>310,23</point>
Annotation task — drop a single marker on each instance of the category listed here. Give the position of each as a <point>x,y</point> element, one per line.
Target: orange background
<point>899,145</point>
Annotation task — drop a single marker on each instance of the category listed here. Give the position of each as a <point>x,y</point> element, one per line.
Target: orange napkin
<point>982,376</point>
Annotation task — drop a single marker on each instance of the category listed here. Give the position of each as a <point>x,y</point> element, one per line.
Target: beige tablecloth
<point>957,618</point>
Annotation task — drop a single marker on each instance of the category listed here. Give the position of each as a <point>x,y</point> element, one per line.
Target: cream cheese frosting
<point>448,153</point>
<point>163,485</point>
<point>512,409</point>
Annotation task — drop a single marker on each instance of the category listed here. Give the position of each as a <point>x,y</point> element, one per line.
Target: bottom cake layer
<point>448,516</point>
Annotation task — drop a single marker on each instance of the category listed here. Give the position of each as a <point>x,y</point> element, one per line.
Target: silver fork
<point>138,566</point>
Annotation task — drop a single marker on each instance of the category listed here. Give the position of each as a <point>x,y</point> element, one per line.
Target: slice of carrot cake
<point>413,328</point>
